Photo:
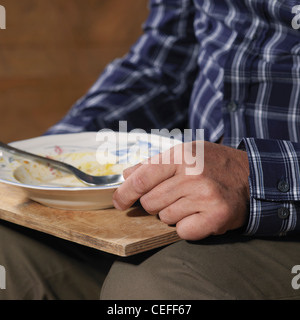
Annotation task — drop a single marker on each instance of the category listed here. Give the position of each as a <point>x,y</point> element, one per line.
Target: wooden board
<point>122,233</point>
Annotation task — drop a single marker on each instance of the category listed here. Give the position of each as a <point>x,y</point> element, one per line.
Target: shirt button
<point>283,186</point>
<point>232,106</point>
<point>283,213</point>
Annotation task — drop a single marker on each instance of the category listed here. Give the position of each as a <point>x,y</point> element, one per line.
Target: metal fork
<point>108,180</point>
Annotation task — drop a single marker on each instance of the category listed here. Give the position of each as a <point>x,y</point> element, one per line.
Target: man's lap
<point>223,267</point>
<point>39,266</point>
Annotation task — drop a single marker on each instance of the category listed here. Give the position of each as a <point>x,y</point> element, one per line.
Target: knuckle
<point>224,209</point>
<point>210,190</point>
<point>139,184</point>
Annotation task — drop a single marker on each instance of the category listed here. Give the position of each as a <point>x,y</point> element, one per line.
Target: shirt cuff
<point>274,183</point>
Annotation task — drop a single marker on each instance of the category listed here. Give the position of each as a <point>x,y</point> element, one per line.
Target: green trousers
<point>39,266</point>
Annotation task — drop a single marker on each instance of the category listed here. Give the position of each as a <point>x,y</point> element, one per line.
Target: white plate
<point>115,151</point>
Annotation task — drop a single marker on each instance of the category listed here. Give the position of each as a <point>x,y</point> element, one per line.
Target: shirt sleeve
<point>148,87</point>
<point>274,186</point>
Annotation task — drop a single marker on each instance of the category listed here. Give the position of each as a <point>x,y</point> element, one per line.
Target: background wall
<point>52,51</point>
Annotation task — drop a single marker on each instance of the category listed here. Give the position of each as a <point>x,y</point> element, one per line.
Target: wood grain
<point>122,233</point>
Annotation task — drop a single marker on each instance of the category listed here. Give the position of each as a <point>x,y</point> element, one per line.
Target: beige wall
<point>52,51</point>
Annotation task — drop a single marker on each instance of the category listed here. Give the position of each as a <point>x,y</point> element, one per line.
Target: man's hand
<point>209,203</point>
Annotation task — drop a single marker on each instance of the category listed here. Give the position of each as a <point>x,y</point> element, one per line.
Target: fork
<point>108,180</point>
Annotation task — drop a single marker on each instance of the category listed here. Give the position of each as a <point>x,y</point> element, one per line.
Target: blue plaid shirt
<point>229,67</point>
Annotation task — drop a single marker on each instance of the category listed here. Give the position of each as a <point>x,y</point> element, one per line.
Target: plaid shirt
<point>229,67</point>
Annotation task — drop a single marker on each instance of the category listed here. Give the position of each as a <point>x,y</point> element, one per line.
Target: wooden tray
<point>122,233</point>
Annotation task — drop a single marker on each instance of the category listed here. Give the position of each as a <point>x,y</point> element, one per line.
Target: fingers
<point>196,227</point>
<point>127,172</point>
<point>177,211</point>
<point>200,205</point>
<point>164,194</point>
<point>139,181</point>
<point>191,224</point>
